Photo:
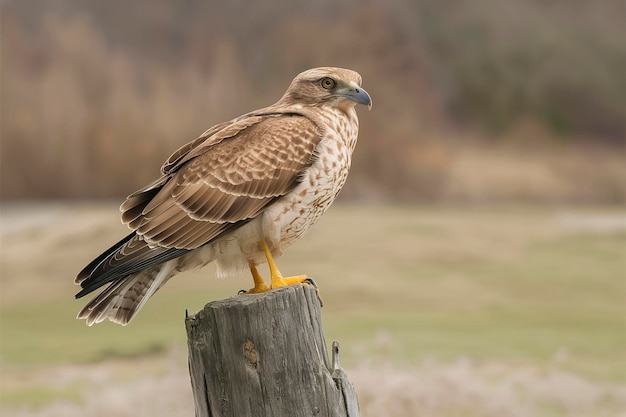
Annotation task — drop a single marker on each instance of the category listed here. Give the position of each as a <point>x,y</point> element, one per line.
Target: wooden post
<point>264,355</point>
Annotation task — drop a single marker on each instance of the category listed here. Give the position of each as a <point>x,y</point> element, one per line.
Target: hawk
<point>237,195</point>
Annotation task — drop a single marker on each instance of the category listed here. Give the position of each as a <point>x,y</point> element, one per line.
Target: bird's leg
<point>259,282</point>
<point>277,278</point>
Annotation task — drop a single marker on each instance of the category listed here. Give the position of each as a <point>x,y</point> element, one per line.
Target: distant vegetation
<point>95,95</point>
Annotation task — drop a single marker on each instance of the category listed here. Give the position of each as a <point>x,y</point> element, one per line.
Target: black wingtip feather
<point>93,276</point>
<point>84,275</point>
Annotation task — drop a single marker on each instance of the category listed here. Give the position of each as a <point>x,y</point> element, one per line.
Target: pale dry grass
<point>460,388</point>
<point>464,388</point>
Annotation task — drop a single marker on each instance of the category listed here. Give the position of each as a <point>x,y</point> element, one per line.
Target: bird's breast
<point>320,183</point>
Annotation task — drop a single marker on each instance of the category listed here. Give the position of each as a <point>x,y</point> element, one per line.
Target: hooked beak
<point>355,93</point>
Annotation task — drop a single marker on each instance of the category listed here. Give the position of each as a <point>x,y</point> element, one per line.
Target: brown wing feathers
<point>209,187</point>
<point>231,181</point>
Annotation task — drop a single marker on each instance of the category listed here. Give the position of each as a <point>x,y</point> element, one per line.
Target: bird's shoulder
<point>266,128</point>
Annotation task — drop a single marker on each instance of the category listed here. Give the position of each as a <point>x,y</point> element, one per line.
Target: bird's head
<point>337,87</point>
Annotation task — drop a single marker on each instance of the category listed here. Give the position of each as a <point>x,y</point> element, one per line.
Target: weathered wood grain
<point>264,355</point>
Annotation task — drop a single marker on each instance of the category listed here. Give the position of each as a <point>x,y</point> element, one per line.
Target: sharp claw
<point>310,281</point>
<point>242,292</point>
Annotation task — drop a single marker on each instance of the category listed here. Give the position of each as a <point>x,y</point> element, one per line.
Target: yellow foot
<point>259,282</point>
<point>277,279</point>
<point>280,281</point>
<point>299,279</point>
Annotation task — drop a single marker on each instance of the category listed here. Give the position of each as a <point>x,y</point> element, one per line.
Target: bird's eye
<point>328,83</point>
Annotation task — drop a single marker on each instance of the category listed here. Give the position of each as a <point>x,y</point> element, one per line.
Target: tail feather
<point>129,256</point>
<point>123,298</point>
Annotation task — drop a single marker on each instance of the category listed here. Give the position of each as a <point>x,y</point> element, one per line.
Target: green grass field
<point>403,286</point>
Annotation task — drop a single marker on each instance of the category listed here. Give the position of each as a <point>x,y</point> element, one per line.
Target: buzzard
<point>237,195</point>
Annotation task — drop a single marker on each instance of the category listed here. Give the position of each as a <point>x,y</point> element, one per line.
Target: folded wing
<point>209,187</point>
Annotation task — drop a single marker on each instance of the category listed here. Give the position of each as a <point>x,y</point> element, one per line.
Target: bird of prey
<point>237,195</point>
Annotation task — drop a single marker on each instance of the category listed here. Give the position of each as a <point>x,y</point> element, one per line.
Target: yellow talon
<point>259,282</point>
<point>277,279</point>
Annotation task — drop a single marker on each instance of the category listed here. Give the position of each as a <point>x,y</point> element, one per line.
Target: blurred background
<point>475,262</point>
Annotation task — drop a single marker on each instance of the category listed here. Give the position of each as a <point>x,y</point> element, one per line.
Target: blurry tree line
<point>96,94</point>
